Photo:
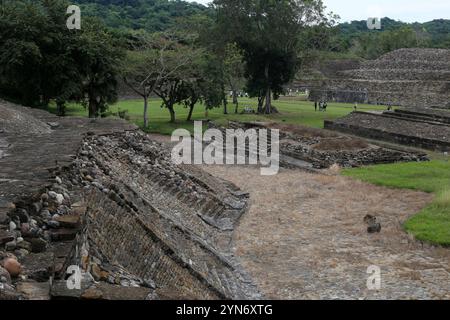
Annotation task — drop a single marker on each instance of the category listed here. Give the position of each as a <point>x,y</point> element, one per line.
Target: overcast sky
<point>404,10</point>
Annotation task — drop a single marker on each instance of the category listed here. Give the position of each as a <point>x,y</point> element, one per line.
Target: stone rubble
<point>345,151</point>
<point>57,224</point>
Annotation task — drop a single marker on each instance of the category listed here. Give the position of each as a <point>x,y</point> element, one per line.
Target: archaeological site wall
<point>405,77</point>
<point>103,196</point>
<point>421,128</point>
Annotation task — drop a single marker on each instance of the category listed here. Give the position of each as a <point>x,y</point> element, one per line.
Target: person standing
<point>315,105</point>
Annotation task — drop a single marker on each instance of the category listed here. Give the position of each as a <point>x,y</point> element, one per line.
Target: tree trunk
<point>145,112</point>
<point>225,106</point>
<point>191,110</point>
<point>260,103</point>
<point>172,114</point>
<point>235,101</point>
<point>225,102</point>
<point>92,108</point>
<point>60,109</point>
<point>268,91</point>
<point>268,108</point>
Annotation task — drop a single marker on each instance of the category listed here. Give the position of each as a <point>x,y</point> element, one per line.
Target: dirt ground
<point>304,238</point>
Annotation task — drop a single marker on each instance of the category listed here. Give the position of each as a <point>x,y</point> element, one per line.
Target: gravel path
<point>304,238</point>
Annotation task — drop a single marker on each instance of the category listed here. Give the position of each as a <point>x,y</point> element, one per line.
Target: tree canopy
<point>42,60</point>
<point>149,15</point>
<point>267,33</point>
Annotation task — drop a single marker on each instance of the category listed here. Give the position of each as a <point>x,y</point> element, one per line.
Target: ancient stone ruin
<point>416,127</point>
<point>102,196</point>
<point>405,77</point>
<point>101,204</point>
<point>311,149</point>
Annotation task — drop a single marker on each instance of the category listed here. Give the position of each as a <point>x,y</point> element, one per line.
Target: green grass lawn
<point>291,112</point>
<point>432,224</point>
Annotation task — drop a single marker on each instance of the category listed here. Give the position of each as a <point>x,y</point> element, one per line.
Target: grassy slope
<point>433,223</point>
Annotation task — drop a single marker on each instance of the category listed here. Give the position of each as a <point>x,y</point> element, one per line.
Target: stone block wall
<point>401,131</point>
<point>405,77</point>
<point>126,240</point>
<point>159,221</point>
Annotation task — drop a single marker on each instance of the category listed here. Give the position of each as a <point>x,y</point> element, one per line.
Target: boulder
<point>60,290</point>
<point>59,198</point>
<point>5,237</point>
<point>63,234</point>
<point>13,267</point>
<point>34,290</point>
<point>25,229</point>
<point>92,294</point>
<point>37,245</point>
<point>4,219</point>
<point>24,245</point>
<point>69,221</point>
<point>37,207</point>
<point>12,226</point>
<point>22,215</point>
<point>98,273</point>
<point>11,246</point>
<point>4,276</point>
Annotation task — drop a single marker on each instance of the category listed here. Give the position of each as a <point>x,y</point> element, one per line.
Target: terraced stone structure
<point>405,77</point>
<point>416,127</point>
<point>171,224</point>
<point>103,196</point>
<point>313,149</point>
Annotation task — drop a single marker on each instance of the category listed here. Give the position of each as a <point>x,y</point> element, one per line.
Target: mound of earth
<point>16,120</point>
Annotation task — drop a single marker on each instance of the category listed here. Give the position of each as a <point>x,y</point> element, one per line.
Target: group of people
<point>322,105</point>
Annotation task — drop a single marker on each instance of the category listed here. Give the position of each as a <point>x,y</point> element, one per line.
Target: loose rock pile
<point>121,204</point>
<point>30,228</point>
<point>322,159</point>
<point>15,120</point>
<point>323,149</point>
<point>97,195</point>
<point>136,194</point>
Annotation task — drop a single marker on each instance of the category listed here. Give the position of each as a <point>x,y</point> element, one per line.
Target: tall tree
<point>266,31</point>
<point>154,67</point>
<point>37,61</point>
<point>42,60</point>
<point>205,84</point>
<point>99,57</point>
<point>234,70</point>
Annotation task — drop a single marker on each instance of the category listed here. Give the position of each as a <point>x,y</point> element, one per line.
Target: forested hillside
<point>352,38</point>
<point>151,15</point>
<point>434,33</point>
